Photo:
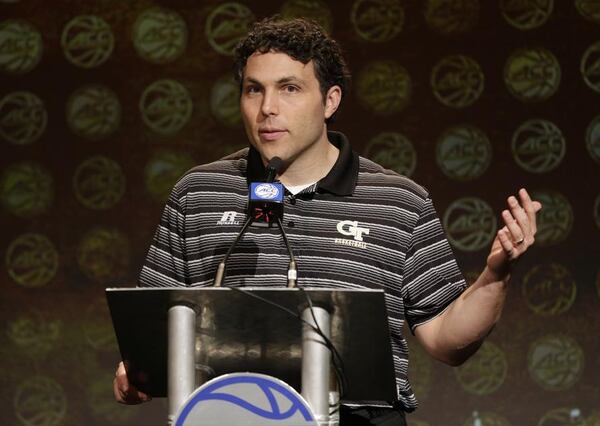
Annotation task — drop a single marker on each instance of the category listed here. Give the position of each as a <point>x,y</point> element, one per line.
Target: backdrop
<point>104,104</point>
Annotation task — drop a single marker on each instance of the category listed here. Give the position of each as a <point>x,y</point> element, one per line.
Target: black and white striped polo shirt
<point>361,226</point>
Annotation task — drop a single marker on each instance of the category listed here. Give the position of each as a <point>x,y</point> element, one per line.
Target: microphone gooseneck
<point>220,274</point>
<point>265,203</point>
<point>273,168</point>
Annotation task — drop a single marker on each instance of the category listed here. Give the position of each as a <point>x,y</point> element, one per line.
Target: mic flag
<point>265,199</point>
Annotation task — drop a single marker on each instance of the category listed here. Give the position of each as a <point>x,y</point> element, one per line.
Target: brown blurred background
<point>104,104</point>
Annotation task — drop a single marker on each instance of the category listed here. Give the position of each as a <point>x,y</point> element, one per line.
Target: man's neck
<point>307,172</point>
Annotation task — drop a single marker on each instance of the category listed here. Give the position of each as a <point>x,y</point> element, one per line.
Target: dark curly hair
<point>302,40</point>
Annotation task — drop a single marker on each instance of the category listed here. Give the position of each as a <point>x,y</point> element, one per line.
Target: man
<point>351,223</point>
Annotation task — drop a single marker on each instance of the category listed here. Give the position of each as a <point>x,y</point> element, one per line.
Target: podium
<point>174,339</point>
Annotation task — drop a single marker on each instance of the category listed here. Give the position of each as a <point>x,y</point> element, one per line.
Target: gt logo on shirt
<point>351,228</point>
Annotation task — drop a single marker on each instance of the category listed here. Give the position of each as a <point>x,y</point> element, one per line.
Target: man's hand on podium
<point>126,393</point>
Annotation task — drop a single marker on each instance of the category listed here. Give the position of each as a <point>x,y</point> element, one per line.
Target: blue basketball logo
<point>248,398</point>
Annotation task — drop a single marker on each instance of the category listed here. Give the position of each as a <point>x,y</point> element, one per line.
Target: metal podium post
<point>181,356</point>
<point>316,358</point>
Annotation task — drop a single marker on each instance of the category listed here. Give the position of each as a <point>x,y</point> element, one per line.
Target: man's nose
<point>270,103</point>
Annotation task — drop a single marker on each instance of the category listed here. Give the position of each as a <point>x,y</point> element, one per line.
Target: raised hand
<point>517,234</point>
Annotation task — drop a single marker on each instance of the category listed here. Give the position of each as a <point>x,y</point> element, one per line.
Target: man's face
<point>283,109</point>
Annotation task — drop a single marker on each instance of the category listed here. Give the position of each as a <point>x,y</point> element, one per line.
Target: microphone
<point>266,202</point>
<point>272,210</point>
<point>265,199</point>
<point>274,166</point>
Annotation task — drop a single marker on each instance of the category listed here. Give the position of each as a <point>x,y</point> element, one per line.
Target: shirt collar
<point>341,179</point>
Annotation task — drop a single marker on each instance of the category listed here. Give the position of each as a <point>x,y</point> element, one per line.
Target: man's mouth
<point>271,134</point>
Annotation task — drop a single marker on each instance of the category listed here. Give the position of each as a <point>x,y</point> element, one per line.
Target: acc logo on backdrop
<point>564,416</point>
<point>555,362</point>
<point>23,118</point>
<point>163,170</point>
<point>159,35</point>
<point>589,9</point>
<point>457,81</point>
<point>166,106</point>
<point>93,112</point>
<point>485,418</point>
<point>99,183</point>
<point>528,14</point>
<point>555,222</point>
<point>224,101</point>
<point>532,74</point>
<point>538,146</point>
<point>87,41</point>
<point>377,20</point>
<point>316,10</point>
<point>470,224</point>
<point>485,372</point>
<point>592,138</point>
<point>103,254</point>
<point>97,327</point>
<point>450,16</point>
<point>26,189</point>
<point>384,87</point>
<point>34,334</point>
<point>226,25</point>
<point>40,401</point>
<point>32,260</point>
<point>463,152</point>
<point>393,151</point>
<point>21,46</point>
<point>590,67</point>
<point>245,398</point>
<point>549,289</point>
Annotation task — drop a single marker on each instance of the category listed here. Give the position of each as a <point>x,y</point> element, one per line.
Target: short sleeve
<point>432,279</point>
<point>166,261</point>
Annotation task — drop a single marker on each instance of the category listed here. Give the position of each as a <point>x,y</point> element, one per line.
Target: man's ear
<point>333,98</point>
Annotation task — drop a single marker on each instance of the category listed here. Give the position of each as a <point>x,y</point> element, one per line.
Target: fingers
<point>505,240</point>
<point>124,392</point>
<point>121,384</point>
<point>515,237</point>
<point>530,207</point>
<point>520,224</point>
<point>520,215</point>
<point>515,231</point>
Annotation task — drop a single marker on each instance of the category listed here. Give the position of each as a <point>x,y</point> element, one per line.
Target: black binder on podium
<point>236,331</point>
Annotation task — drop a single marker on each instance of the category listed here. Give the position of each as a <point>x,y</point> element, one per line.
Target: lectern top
<point>238,332</point>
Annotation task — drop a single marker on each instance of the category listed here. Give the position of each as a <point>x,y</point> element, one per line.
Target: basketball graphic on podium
<point>245,398</point>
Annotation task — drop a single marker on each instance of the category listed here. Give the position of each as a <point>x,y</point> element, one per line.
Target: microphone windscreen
<point>273,167</point>
<point>275,163</point>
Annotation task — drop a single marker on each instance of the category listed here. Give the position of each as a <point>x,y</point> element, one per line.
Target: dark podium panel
<point>236,332</point>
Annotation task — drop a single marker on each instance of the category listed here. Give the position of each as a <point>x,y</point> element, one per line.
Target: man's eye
<point>291,89</point>
<point>252,89</point>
